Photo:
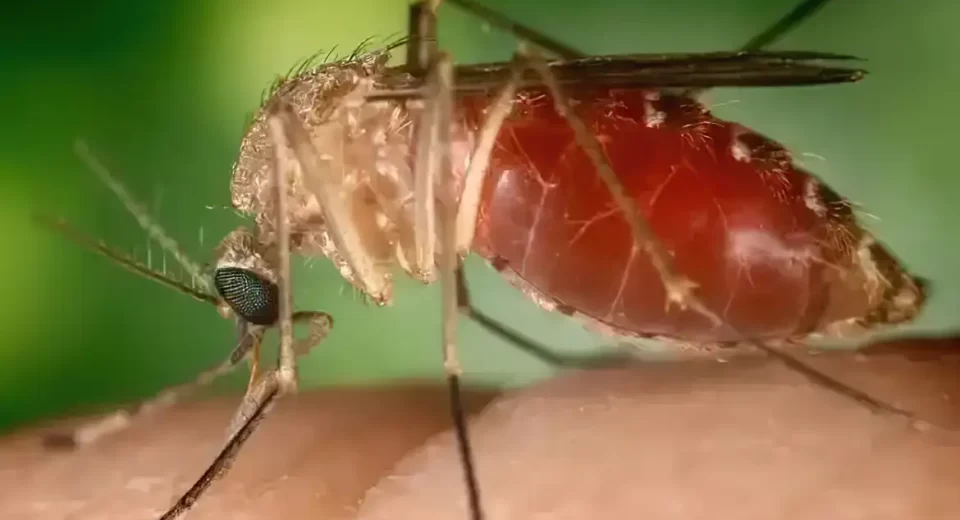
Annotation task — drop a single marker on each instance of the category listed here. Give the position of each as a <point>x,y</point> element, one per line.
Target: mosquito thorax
<point>358,207</point>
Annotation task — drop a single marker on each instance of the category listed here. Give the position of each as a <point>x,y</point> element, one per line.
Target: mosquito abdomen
<point>775,252</point>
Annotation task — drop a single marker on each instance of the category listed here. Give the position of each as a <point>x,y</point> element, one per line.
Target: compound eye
<point>253,298</point>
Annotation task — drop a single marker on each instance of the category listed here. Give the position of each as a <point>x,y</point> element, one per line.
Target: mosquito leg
<point>254,367</point>
<point>432,168</point>
<point>420,52</point>
<point>830,383</point>
<point>422,37</point>
<point>473,178</point>
<point>521,31</point>
<point>441,99</point>
<point>440,84</point>
<point>425,175</point>
<point>287,361</point>
<point>803,10</point>
<point>121,419</point>
<point>320,324</point>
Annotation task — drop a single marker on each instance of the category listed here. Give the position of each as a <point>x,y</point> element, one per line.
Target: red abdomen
<point>775,252</point>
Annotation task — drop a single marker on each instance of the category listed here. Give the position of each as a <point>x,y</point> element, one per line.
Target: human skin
<point>744,439</point>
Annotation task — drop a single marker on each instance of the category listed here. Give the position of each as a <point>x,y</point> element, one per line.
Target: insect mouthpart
<point>251,297</point>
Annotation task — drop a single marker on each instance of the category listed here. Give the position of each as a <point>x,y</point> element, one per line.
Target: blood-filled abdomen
<point>775,252</point>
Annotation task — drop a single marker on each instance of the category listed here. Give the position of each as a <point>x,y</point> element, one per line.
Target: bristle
<point>321,59</point>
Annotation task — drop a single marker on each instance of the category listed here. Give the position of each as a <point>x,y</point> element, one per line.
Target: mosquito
<point>600,186</point>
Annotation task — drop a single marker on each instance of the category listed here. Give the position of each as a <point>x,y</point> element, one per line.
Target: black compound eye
<point>254,299</point>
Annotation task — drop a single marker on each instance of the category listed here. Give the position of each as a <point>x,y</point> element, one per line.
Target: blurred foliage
<point>162,90</point>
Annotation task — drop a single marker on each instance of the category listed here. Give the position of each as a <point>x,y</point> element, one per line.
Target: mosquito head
<point>245,278</point>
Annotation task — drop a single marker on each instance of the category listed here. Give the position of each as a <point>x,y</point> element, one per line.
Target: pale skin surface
<point>743,439</point>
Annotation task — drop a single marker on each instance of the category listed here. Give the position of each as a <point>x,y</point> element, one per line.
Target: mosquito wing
<point>701,70</point>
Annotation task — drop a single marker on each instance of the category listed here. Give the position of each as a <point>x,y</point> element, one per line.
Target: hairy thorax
<point>369,148</point>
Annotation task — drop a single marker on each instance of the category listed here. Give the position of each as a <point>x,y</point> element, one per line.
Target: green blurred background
<point>161,92</point>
